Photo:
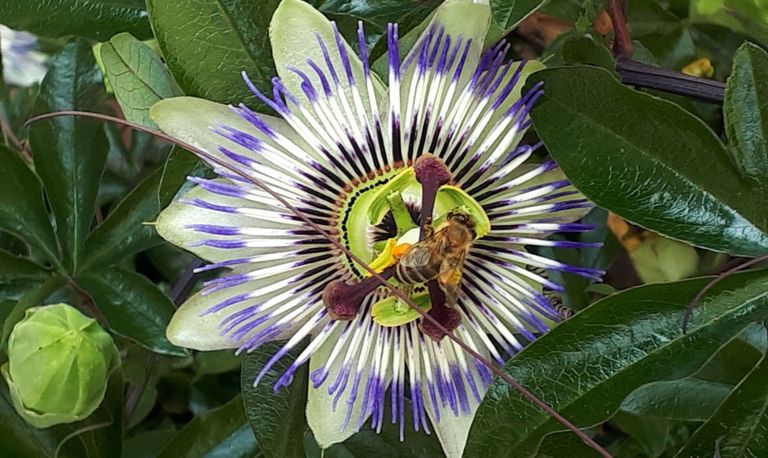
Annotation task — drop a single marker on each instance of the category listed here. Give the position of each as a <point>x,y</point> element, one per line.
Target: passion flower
<point>348,152</point>
<point>59,361</point>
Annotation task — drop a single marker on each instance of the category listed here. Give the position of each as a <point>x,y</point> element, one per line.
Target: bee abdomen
<point>411,276</point>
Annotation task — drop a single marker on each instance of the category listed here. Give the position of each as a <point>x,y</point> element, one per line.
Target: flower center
<point>379,221</point>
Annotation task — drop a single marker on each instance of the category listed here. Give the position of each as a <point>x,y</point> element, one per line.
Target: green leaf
<point>70,152</point>
<point>137,75</point>
<point>22,209</point>
<point>649,161</point>
<point>20,439</point>
<point>624,341</point>
<point>584,50</point>
<point>685,399</point>
<point>746,111</point>
<point>509,13</point>
<point>277,418</point>
<point>95,19</point>
<point>223,432</point>
<point>13,267</point>
<point>133,306</point>
<point>207,43</point>
<point>739,427</point>
<point>128,229</point>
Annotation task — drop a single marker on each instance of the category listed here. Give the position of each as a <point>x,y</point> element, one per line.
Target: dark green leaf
<point>746,111</point>
<point>651,434</point>
<point>70,152</point>
<point>585,50</point>
<point>12,267</point>
<point>20,439</point>
<point>732,363</point>
<point>624,341</point>
<point>137,75</point>
<point>128,230</point>
<point>508,13</point>
<point>133,306</point>
<point>649,161</point>
<point>739,427</point>
<point>223,432</point>
<point>208,43</point>
<point>685,399</point>
<point>277,419</point>
<point>22,210</point>
<point>96,19</point>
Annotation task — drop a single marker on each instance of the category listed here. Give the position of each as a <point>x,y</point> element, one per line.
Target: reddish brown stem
<point>622,42</point>
<point>498,371</point>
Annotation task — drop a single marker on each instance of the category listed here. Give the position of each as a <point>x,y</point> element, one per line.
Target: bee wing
<point>449,277</point>
<point>417,256</point>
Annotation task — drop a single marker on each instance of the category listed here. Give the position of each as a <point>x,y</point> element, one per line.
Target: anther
<point>343,300</point>
<point>432,173</point>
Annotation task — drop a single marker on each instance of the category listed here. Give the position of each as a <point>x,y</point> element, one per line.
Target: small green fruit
<point>58,365</point>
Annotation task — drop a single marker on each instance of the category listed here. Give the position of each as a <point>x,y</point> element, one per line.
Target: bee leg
<point>426,228</point>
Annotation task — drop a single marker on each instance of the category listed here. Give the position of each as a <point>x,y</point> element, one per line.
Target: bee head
<point>463,218</point>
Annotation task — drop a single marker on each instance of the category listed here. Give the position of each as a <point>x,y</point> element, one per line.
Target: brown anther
<point>448,317</point>
<point>343,300</point>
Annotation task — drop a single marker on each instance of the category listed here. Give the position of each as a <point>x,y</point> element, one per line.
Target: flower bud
<point>58,366</point>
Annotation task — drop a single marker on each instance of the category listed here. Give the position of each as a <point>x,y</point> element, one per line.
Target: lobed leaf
<point>137,75</point>
<point>746,112</point>
<point>22,209</point>
<point>95,19</point>
<point>208,43</point>
<point>220,432</point>
<point>70,152</point>
<point>739,427</point>
<point>133,306</point>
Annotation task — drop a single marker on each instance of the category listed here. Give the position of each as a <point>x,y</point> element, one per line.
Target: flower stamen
<point>343,300</point>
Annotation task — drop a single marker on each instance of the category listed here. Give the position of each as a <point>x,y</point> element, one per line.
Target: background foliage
<point>77,198</point>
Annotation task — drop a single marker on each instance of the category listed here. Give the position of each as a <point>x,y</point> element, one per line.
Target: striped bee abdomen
<point>413,275</point>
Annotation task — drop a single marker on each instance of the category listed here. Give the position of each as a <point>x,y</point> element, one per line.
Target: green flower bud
<point>58,365</point>
<point>659,259</point>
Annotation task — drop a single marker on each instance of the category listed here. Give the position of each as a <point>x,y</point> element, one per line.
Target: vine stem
<point>638,74</point>
<point>530,396</point>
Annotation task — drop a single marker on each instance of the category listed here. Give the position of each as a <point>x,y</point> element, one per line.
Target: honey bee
<point>440,256</point>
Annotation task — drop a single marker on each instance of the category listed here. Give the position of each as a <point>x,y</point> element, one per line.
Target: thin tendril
<point>712,283</point>
<point>405,298</point>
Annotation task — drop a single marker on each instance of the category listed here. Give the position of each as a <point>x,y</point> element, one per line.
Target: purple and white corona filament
<point>342,150</point>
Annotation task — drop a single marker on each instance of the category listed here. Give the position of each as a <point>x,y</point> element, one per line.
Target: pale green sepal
<point>458,18</point>
<point>191,120</point>
<point>192,327</point>
<point>293,34</point>
<point>453,432</point>
<point>324,422</point>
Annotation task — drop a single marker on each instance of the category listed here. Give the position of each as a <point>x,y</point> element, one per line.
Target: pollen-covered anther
<point>343,300</point>
<point>431,171</point>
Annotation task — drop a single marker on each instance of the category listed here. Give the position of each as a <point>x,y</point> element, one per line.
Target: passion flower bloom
<point>23,65</point>
<point>363,161</point>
